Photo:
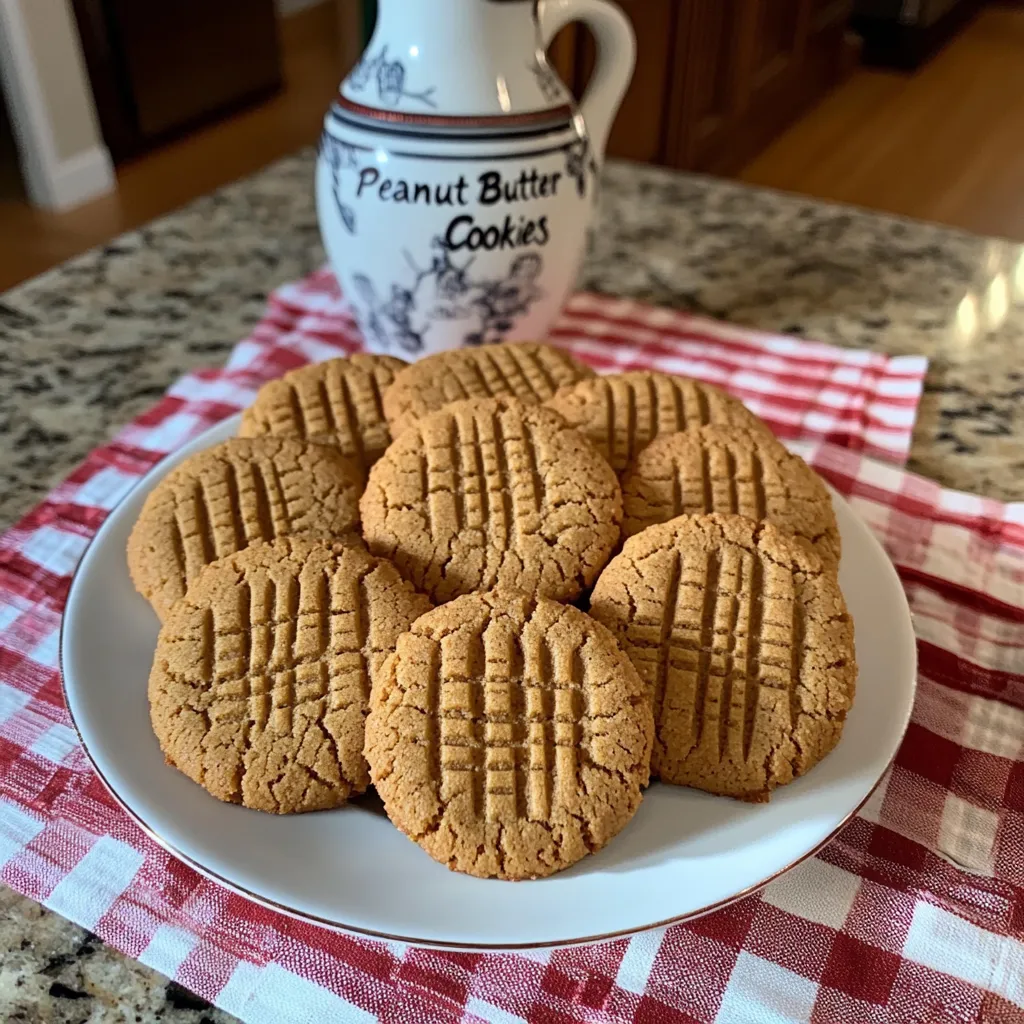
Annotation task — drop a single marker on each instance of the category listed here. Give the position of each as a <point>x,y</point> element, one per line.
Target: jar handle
<point>616,58</point>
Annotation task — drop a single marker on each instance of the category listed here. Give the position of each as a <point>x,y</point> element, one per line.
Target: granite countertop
<point>91,344</point>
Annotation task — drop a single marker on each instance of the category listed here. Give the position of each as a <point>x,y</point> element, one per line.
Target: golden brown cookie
<point>221,500</point>
<point>491,492</point>
<point>262,672</point>
<point>524,370</point>
<point>624,412</point>
<point>731,470</point>
<point>509,737</point>
<point>339,402</point>
<point>743,637</point>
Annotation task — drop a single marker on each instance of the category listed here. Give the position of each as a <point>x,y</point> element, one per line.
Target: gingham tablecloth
<point>914,913</point>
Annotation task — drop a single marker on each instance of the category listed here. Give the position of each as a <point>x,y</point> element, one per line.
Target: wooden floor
<point>945,144</point>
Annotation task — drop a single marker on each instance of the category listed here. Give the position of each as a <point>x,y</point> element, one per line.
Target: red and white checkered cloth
<point>915,913</point>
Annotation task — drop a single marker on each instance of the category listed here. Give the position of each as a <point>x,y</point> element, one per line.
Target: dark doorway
<point>158,69</point>
<point>11,184</point>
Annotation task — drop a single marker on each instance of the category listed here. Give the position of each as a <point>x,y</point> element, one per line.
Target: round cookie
<point>338,402</point>
<point>624,412</point>
<point>509,737</point>
<point>524,370</point>
<point>743,638</point>
<point>262,673</point>
<point>220,500</point>
<point>489,493</point>
<point>732,470</point>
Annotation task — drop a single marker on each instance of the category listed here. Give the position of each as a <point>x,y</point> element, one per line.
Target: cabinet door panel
<point>745,70</point>
<point>711,71</point>
<point>826,13</point>
<point>780,31</point>
<point>711,80</point>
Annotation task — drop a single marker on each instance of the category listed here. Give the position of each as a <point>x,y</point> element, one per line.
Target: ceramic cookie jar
<point>457,176</point>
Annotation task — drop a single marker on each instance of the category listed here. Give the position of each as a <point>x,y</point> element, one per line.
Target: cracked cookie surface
<point>745,643</point>
<point>509,737</point>
<point>622,413</point>
<point>262,672</point>
<point>338,402</point>
<point>734,471</point>
<point>220,500</point>
<point>489,493</point>
<point>527,371</point>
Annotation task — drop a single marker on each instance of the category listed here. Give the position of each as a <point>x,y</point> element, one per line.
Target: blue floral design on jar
<point>390,78</point>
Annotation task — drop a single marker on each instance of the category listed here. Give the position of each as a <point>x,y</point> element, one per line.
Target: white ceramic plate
<point>685,852</point>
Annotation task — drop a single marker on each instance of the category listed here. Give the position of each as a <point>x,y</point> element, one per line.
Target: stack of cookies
<point>503,591</point>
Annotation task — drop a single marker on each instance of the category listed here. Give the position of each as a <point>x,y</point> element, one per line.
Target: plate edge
<point>339,926</point>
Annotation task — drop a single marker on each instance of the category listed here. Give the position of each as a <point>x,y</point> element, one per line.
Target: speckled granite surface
<point>93,343</point>
<point>53,972</point>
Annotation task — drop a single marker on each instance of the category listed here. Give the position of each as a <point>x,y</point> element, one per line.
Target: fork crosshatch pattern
<point>271,654</point>
<point>528,719</point>
<point>476,497</point>
<point>752,613</point>
<point>915,913</point>
<point>259,665</point>
<point>517,743</point>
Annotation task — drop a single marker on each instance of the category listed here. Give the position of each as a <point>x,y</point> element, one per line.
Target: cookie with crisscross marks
<point>527,371</point>
<point>220,500</point>
<point>509,737</point>
<point>262,672</point>
<point>489,493</point>
<point>743,638</point>
<point>338,402</point>
<point>623,412</point>
<point>734,471</point>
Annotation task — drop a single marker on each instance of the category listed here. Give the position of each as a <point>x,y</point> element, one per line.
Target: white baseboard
<point>51,183</point>
<point>286,7</point>
<point>81,178</point>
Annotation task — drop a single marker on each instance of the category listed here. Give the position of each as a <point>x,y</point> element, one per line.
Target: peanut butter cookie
<point>338,402</point>
<point>262,672</point>
<point>509,737</point>
<point>524,370</point>
<point>491,492</point>
<point>624,412</point>
<point>731,470</point>
<point>225,498</point>
<point>744,640</point>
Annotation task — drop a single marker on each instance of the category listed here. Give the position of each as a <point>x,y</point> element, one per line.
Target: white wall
<point>43,75</point>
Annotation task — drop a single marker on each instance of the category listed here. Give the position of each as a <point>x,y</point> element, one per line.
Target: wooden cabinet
<point>709,81</point>
<point>717,80</point>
